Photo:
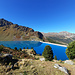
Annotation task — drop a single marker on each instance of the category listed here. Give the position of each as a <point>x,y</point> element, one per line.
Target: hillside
<point>24,64</point>
<point>63,37</point>
<point>17,54</point>
<point>12,32</point>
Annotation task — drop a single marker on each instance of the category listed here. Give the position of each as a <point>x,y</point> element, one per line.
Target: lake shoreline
<point>54,44</point>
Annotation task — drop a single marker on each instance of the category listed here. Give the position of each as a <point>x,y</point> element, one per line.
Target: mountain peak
<point>4,22</point>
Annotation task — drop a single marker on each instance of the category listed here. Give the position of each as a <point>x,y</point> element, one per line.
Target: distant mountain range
<point>14,32</point>
<point>63,37</point>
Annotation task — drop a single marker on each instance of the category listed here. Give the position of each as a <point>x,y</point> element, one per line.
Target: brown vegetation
<point>16,53</point>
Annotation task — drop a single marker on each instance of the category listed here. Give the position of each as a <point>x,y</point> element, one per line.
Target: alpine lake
<point>59,51</point>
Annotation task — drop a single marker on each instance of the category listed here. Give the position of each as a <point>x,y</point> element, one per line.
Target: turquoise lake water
<point>59,51</point>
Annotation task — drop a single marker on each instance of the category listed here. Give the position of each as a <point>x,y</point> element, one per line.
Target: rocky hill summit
<point>12,32</point>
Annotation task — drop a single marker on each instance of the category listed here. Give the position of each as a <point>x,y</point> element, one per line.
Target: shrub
<point>15,57</point>
<point>25,73</point>
<point>70,51</point>
<point>9,47</point>
<point>55,57</point>
<point>24,52</point>
<point>1,49</point>
<point>37,54</point>
<point>48,53</point>
<point>15,48</point>
<point>27,48</point>
<point>20,49</point>
<point>31,47</point>
<point>23,47</point>
<point>33,52</point>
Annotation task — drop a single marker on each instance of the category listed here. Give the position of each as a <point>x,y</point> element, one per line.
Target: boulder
<point>63,69</point>
<point>56,66</point>
<point>42,59</point>
<point>8,55</point>
<point>6,58</point>
<point>69,62</point>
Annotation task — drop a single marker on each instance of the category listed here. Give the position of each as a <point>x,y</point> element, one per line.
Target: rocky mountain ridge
<point>12,32</point>
<point>63,37</point>
<point>63,33</point>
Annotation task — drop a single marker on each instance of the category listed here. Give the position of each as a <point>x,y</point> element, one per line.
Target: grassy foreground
<point>31,65</point>
<point>37,67</point>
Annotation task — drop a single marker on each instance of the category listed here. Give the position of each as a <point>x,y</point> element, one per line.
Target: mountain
<point>63,37</point>
<point>14,32</point>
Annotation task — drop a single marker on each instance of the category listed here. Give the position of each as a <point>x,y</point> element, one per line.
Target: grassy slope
<point>12,32</point>
<point>39,67</point>
<point>44,68</point>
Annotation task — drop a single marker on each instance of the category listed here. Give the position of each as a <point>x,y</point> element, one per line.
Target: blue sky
<point>41,15</point>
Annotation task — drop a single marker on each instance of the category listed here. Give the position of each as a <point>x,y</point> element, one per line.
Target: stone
<point>42,59</point>
<point>69,62</point>
<point>63,69</point>
<point>56,66</point>
<point>9,55</point>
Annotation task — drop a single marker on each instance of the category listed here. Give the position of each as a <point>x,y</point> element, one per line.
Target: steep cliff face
<point>12,32</point>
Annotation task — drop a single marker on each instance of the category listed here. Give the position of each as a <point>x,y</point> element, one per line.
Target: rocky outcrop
<point>8,55</point>
<point>5,58</point>
<point>63,69</point>
<point>4,22</point>
<point>12,32</point>
<point>42,59</point>
<point>69,62</point>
